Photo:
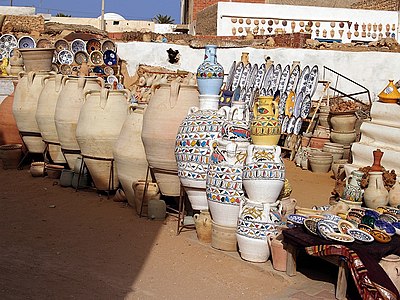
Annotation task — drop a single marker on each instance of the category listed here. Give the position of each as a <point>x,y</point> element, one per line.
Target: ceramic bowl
<point>26,42</point>
<point>388,218</point>
<point>372,213</point>
<point>324,228</point>
<point>311,226</point>
<point>364,227</point>
<point>360,235</point>
<point>93,45</point>
<point>354,216</point>
<point>333,218</point>
<point>368,220</point>
<point>360,210</point>
<point>385,226</point>
<point>380,236</point>
<point>344,226</point>
<point>110,58</point>
<point>340,237</point>
<point>396,226</point>
<point>332,224</point>
<point>296,219</point>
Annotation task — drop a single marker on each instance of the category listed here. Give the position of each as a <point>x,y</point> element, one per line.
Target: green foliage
<point>62,15</point>
<point>163,19</point>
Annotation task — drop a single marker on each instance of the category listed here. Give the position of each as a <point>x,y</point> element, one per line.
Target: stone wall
<point>206,23</point>
<point>25,24</point>
<point>392,5</point>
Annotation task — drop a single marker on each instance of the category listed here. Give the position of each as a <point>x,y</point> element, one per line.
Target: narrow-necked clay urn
<point>376,166</point>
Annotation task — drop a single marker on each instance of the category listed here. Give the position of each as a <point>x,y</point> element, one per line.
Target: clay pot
<point>321,162</point>
<point>375,194</point>
<point>129,154</point>
<point>99,125</point>
<point>223,237</point>
<point>279,254</point>
<point>37,169</point>
<point>337,166</point>
<point>166,110</point>
<point>10,154</point>
<point>394,195</point>
<point>323,119</point>
<point>288,206</point>
<point>335,149</point>
<point>391,265</point>
<point>343,122</point>
<point>343,137</point>
<point>317,142</point>
<point>153,192</point>
<point>54,171</point>
<point>37,59</point>
<point>376,166</point>
<point>202,222</point>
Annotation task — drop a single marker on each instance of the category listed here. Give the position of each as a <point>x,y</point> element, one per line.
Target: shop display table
<point>361,259</point>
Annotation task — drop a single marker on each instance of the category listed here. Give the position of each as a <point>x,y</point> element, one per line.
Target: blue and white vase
<point>210,74</point>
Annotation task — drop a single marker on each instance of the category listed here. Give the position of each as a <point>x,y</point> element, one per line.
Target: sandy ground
<point>60,244</point>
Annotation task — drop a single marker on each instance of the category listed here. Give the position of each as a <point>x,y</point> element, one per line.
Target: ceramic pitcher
<point>353,190</point>
<point>375,194</point>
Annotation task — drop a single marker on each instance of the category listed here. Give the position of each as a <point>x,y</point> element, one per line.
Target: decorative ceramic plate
<point>344,226</point>
<point>111,79</point>
<point>60,45</point>
<point>389,210</point>
<point>98,70</point>
<point>65,57</point>
<point>380,236</point>
<point>311,226</point>
<point>354,216</point>
<point>237,75</point>
<point>297,126</point>
<point>332,217</point>
<point>231,74</point>
<point>293,79</point>
<point>290,101</point>
<point>324,228</point>
<point>66,69</point>
<point>110,58</point>
<point>108,45</point>
<point>388,218</point>
<point>360,235</point>
<point>78,45</point>
<point>93,45</point>
<point>81,57</point>
<point>8,42</point>
<point>285,124</point>
<point>276,76</point>
<point>301,85</point>
<point>108,70</point>
<point>291,124</point>
<point>312,81</point>
<point>3,54</point>
<point>245,76</point>
<point>385,226</point>
<point>268,77</point>
<point>364,227</point>
<point>252,77</point>
<point>242,94</point>
<point>260,77</point>
<point>263,92</point>
<point>305,107</point>
<point>283,81</point>
<point>44,43</point>
<point>296,219</point>
<point>96,58</point>
<point>396,226</point>
<point>282,103</point>
<point>297,104</point>
<point>332,224</point>
<point>26,41</point>
<point>340,237</point>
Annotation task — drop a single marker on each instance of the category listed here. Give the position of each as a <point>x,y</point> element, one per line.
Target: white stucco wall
<point>370,69</point>
<point>17,10</point>
<point>325,15</point>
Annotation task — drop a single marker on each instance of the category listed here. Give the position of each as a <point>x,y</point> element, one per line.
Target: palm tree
<point>62,15</point>
<point>163,19</point>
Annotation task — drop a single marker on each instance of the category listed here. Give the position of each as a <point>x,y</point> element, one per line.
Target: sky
<point>129,9</point>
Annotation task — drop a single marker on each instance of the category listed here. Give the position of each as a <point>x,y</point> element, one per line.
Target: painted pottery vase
<point>390,93</point>
<point>394,195</point>
<point>256,225</point>
<point>129,154</point>
<point>98,128</point>
<point>52,86</point>
<point>224,185</point>
<point>202,222</point>
<point>192,149</point>
<point>375,194</point>
<point>265,126</point>
<point>353,190</point>
<point>391,265</point>
<point>376,166</point>
<point>210,74</point>
<point>264,170</point>
<point>164,113</point>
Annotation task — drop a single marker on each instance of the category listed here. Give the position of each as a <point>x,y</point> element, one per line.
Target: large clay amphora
<point>99,124</point>
<point>263,173</point>
<point>353,190</point>
<point>265,127</point>
<point>129,154</point>
<point>68,107</point>
<point>166,110</point>
<point>9,133</point>
<point>391,265</point>
<point>52,86</point>
<point>375,194</point>
<point>25,104</point>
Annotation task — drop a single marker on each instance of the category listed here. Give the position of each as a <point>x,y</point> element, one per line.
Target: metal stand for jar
<point>27,153</point>
<point>46,153</point>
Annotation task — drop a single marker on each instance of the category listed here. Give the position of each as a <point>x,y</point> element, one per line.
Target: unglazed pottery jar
<point>202,222</point>
<point>37,59</point>
<point>391,265</point>
<point>394,195</point>
<point>353,190</point>
<point>343,122</point>
<point>9,133</point>
<point>264,170</point>
<point>210,74</point>
<point>192,149</point>
<point>375,194</point>
<point>265,126</point>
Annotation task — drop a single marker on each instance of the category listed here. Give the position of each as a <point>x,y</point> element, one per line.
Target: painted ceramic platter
<point>242,95</point>
<point>111,79</point>
<point>311,226</point>
<point>380,236</point>
<point>237,75</point>
<point>332,217</point>
<point>283,81</point>
<point>360,235</point>
<point>293,79</point>
<point>78,45</point>
<point>60,45</point>
<point>312,81</point>
<point>285,124</point>
<point>396,226</point>
<point>26,41</point>
<point>296,219</point>
<point>110,58</point>
<point>93,45</point>
<point>291,124</point>
<point>44,43</point>
<point>108,45</point>
<point>260,77</point>
<point>280,119</point>
<point>305,107</point>
<point>66,69</point>
<point>276,76</point>
<point>297,104</point>
<point>108,70</point>
<point>96,58</point>
<point>268,77</point>
<point>3,54</point>
<point>231,74</point>
<point>80,57</point>
<point>245,76</point>
<point>344,226</point>
<point>297,126</point>
<point>8,42</point>
<point>252,76</point>
<point>282,103</point>
<point>340,237</point>
<point>364,227</point>
<point>385,226</point>
<point>332,224</point>
<point>301,85</point>
<point>388,218</point>
<point>65,57</point>
<point>98,70</point>
<point>324,228</point>
<point>263,92</point>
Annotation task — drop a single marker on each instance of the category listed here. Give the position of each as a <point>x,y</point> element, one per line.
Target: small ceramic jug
<point>353,190</point>
<point>202,222</point>
<point>394,195</point>
<point>375,194</point>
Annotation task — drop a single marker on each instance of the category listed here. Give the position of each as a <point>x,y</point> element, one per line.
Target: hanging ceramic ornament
<point>317,24</point>
<point>301,24</point>
<point>363,34</point>
<point>256,22</point>
<point>284,22</point>
<point>240,21</point>
<point>374,27</point>
<point>317,32</point>
<point>356,26</point>
<point>364,27</point>
<point>332,33</point>
<point>341,32</point>
<point>349,34</point>
<point>276,21</point>
<point>240,29</point>
<point>324,33</point>
<point>380,35</point>
<point>373,35</point>
<point>341,24</point>
<point>393,27</point>
<point>293,25</point>
<point>356,33</point>
<point>349,24</point>
<point>380,26</point>
<point>263,21</point>
<point>333,24</point>
<point>369,26</point>
<point>233,30</point>
<point>234,20</point>
<point>248,21</point>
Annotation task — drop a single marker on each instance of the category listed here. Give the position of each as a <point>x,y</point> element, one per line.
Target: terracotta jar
<point>279,253</point>
<point>202,222</point>
<point>98,128</point>
<point>375,194</point>
<point>129,154</point>
<point>320,162</point>
<point>265,126</point>
<point>46,108</point>
<point>167,108</point>
<point>152,193</point>
<point>68,107</point>
<point>391,265</point>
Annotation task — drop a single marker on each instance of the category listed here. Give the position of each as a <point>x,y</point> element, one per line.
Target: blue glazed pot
<point>210,74</point>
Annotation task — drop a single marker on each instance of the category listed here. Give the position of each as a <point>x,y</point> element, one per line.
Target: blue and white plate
<point>78,45</point>
<point>285,124</point>
<point>297,104</point>
<point>385,226</point>
<point>340,237</point>
<point>283,81</point>
<point>291,124</point>
<point>110,58</point>
<point>324,228</point>
<point>305,107</point>
<point>276,76</point>
<point>297,126</point>
<point>296,219</point>
<point>312,81</point>
<point>301,85</point>
<point>245,74</point>
<point>388,218</point>
<point>311,225</point>
<point>260,77</point>
<point>293,79</point>
<point>8,42</point>
<point>268,77</point>
<point>396,226</point>
<point>360,235</point>
<point>237,75</point>
<point>26,41</point>
<point>282,103</point>
<point>252,77</point>
<point>332,217</point>
<point>231,74</point>
<point>65,57</point>
<point>372,213</point>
